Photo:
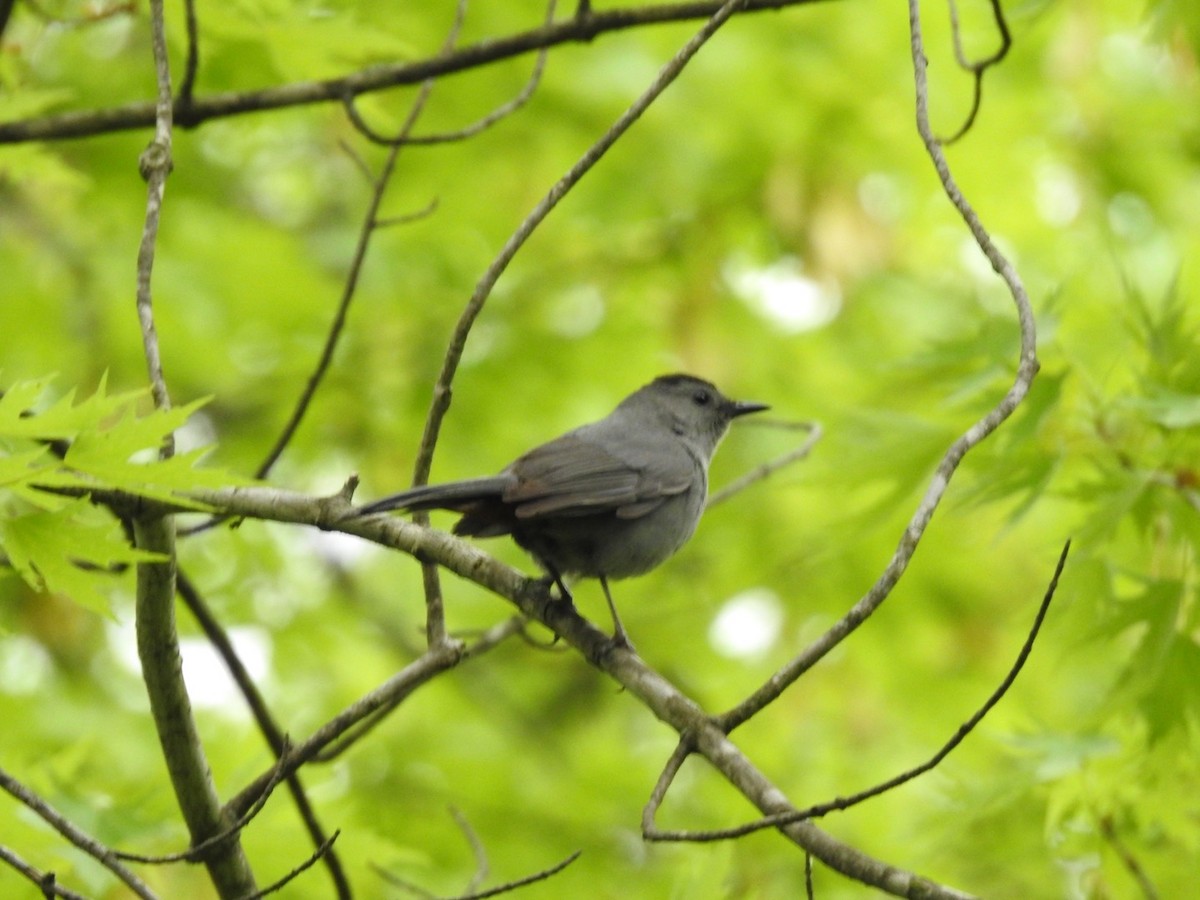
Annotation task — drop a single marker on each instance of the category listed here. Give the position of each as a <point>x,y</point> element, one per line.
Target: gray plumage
<point>611,499</point>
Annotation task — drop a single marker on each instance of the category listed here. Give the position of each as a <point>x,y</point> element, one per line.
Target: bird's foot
<point>620,641</point>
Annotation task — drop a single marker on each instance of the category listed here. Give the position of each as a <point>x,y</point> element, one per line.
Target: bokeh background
<point>773,224</point>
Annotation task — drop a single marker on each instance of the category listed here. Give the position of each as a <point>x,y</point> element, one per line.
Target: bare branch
<point>682,750</point>
<point>1027,368</point>
<point>534,599</point>
<point>841,803</point>
<point>400,685</point>
<point>155,165</point>
<point>106,856</point>
<point>83,123</point>
<point>198,852</point>
<point>486,641</point>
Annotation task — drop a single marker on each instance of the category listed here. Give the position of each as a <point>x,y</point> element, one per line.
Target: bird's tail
<point>453,495</point>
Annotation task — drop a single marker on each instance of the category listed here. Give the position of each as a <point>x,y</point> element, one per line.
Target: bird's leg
<point>620,638</point>
<point>564,593</point>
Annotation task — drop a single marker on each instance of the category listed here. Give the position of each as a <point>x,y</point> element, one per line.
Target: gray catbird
<point>611,499</point>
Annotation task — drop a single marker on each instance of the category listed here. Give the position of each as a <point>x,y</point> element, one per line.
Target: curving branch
<point>85,123</point>
<point>1027,368</point>
<point>652,833</point>
<point>978,67</point>
<point>500,113</point>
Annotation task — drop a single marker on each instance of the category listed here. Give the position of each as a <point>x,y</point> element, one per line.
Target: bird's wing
<point>576,476</point>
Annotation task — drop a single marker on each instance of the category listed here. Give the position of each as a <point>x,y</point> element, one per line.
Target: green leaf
<point>67,551</point>
<point>1170,409</point>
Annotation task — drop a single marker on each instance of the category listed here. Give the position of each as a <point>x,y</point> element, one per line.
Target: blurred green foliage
<point>780,176</point>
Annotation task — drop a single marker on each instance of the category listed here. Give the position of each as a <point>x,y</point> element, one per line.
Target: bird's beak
<point>745,407</point>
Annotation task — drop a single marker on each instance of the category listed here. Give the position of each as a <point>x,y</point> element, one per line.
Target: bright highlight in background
<point>747,625</point>
<point>782,293</point>
<point>208,680</point>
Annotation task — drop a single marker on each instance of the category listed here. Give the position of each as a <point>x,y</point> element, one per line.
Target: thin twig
<point>199,852</point>
<point>402,684</point>
<point>408,218</point>
<point>468,131</point>
<point>486,641</point>
<point>682,750</point>
<point>292,875</point>
<point>1027,368</point>
<point>191,65</point>
<point>104,855</point>
<point>842,803</point>
<point>506,888</point>
<point>770,467</point>
<point>479,876</point>
<point>45,881</point>
<point>1109,832</point>
<point>978,67</point>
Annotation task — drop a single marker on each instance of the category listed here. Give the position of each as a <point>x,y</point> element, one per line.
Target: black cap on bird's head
<point>692,408</point>
<point>704,393</point>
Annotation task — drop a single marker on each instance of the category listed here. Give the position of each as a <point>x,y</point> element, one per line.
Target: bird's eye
<point>702,398</point>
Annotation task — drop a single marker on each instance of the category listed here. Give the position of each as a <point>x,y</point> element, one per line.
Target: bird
<point>609,500</point>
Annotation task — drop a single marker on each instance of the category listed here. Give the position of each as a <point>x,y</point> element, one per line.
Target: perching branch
<point>534,599</point>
